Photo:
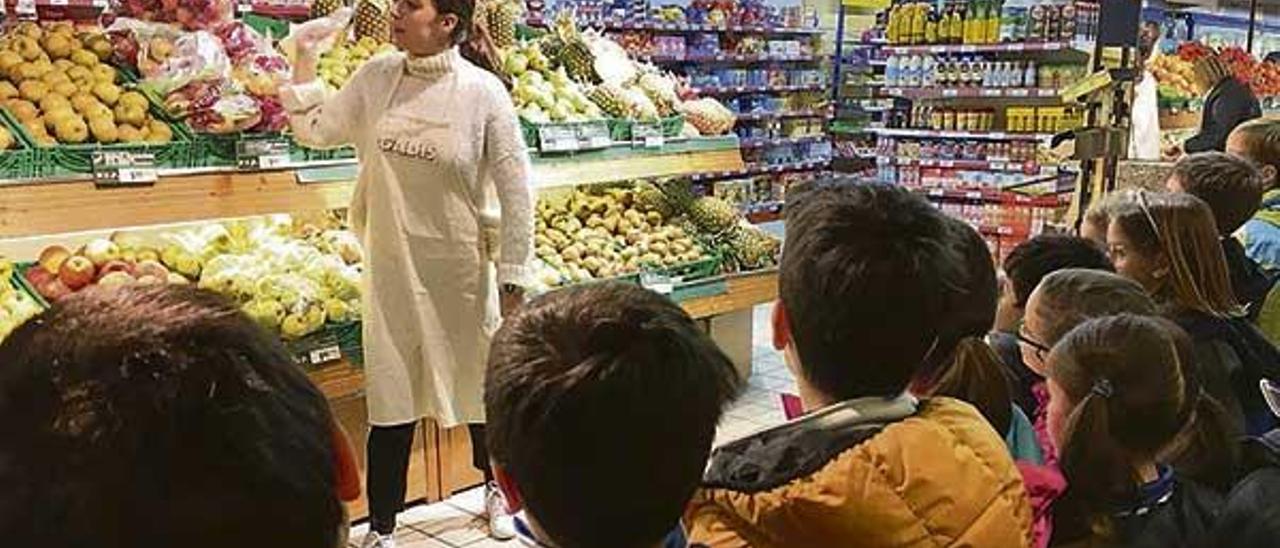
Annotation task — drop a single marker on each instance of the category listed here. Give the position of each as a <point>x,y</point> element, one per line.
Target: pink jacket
<point>1044,484</point>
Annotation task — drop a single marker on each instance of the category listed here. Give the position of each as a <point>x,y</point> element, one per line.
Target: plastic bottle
<point>1029,75</point>
<point>931,28</point>
<point>913,71</point>
<point>992,33</point>
<point>988,74</point>
<point>892,71</point>
<point>928,72</point>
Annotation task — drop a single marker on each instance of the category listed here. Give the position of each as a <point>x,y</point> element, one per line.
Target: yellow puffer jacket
<point>870,472</point>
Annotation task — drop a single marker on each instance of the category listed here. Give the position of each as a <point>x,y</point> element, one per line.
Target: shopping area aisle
<point>456,522</point>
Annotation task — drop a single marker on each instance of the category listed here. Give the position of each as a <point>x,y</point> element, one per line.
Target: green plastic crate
<point>19,162</point>
<point>330,342</point>
<point>78,159</point>
<point>20,279</point>
<point>621,129</point>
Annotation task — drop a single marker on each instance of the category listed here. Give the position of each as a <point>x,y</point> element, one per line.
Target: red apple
<point>37,276</point>
<point>53,256</point>
<point>76,273</point>
<point>151,268</point>
<point>53,290</point>
<point>115,266</point>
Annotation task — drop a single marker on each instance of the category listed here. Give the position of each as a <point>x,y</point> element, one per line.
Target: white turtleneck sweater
<point>439,144</point>
<point>351,115</point>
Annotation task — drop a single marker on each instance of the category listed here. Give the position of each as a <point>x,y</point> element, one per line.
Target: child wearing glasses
<point>1118,404</point>
<point>1169,244</point>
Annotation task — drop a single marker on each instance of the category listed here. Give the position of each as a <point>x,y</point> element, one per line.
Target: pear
<point>131,114</point>
<point>109,93</point>
<point>72,130</point>
<point>6,139</point>
<point>83,58</point>
<point>160,132</point>
<point>104,73</point>
<point>57,45</point>
<point>33,90</point>
<point>52,102</point>
<point>23,110</point>
<point>104,130</point>
<point>7,90</point>
<point>133,98</point>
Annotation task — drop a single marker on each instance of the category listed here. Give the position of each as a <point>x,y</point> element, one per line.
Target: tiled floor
<point>456,522</point>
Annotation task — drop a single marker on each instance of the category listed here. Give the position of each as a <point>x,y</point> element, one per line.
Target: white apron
<point>430,290</point>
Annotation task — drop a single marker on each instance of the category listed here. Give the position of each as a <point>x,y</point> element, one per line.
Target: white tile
<point>448,523</point>
<point>490,543</point>
<point>464,533</point>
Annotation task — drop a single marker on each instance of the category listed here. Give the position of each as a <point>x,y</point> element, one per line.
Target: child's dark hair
<point>160,416</point>
<point>860,280</point>
<point>963,366</point>
<point>1034,259</point>
<point>1231,186</point>
<point>1124,376</point>
<point>602,403</point>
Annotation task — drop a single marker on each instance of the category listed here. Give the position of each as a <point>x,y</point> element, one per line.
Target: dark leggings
<point>388,458</point>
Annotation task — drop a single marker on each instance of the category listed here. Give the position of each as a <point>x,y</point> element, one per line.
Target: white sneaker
<point>501,524</point>
<point>374,540</point>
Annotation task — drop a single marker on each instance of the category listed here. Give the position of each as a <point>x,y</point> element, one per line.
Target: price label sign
<point>647,135</point>
<point>554,138</point>
<point>325,355</point>
<point>262,154</point>
<point>594,135</point>
<point>123,168</point>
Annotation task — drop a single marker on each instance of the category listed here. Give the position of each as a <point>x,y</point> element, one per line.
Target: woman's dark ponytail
<point>477,47</point>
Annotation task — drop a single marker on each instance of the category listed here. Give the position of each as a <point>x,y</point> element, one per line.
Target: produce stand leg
<point>732,332</point>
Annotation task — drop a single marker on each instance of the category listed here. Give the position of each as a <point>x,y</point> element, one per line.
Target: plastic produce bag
<point>317,35</point>
<point>195,56</point>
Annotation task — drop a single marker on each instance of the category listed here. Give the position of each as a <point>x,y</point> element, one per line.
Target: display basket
<point>621,129</point>
<point>332,342</point>
<point>66,159</point>
<point>19,162</point>
<point>20,280</point>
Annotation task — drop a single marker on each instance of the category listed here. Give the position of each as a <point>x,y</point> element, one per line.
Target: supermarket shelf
<point>985,48</point>
<point>781,141</point>
<point>739,90</point>
<point>341,380</point>
<point>982,135</point>
<point>749,116</point>
<point>936,92</point>
<point>622,163</point>
<point>696,28</point>
<point>728,58</point>
<point>990,165</point>
<point>761,170</point>
<point>50,206</point>
<point>989,196</point>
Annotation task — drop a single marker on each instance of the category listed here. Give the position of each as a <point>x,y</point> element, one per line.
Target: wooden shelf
<point>744,292</point>
<point>76,205</point>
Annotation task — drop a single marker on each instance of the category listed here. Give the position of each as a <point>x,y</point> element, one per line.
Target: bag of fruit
<point>190,14</point>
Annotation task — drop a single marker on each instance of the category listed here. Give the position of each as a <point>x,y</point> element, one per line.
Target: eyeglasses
<point>1023,338</point>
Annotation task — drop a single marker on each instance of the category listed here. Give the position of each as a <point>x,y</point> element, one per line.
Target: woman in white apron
<point>438,143</point>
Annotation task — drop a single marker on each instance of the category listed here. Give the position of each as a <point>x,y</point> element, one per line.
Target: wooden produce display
<point>72,210</point>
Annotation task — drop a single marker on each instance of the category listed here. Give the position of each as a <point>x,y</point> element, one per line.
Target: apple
<point>147,254</point>
<point>53,256</point>
<point>115,266</point>
<point>147,279</point>
<point>178,279</point>
<point>76,273</point>
<point>115,279</point>
<point>101,250</point>
<point>37,276</point>
<point>151,268</point>
<point>53,290</point>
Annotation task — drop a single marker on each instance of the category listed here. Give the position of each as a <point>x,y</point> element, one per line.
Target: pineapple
<point>322,8</point>
<point>750,248</point>
<point>610,99</point>
<point>661,90</point>
<point>569,48</point>
<point>500,19</point>
<point>713,215</point>
<point>649,198</point>
<point>373,20</point>
<point>708,116</point>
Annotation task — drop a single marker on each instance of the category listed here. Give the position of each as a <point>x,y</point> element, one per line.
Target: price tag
<point>123,168</point>
<point>325,355</point>
<point>992,92</point>
<point>1017,47</point>
<point>594,135</point>
<point>968,49</point>
<point>555,138</point>
<point>950,93</point>
<point>946,163</point>
<point>647,135</point>
<point>1019,92</point>
<point>973,195</point>
<point>262,154</point>
<point>938,49</point>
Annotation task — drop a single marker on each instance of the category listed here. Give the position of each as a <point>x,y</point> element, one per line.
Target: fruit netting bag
<point>190,14</point>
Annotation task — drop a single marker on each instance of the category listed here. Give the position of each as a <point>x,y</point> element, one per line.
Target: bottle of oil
<point>931,28</point>
<point>970,20</point>
<point>956,16</point>
<point>919,22</point>
<point>891,27</point>
<point>993,22</point>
